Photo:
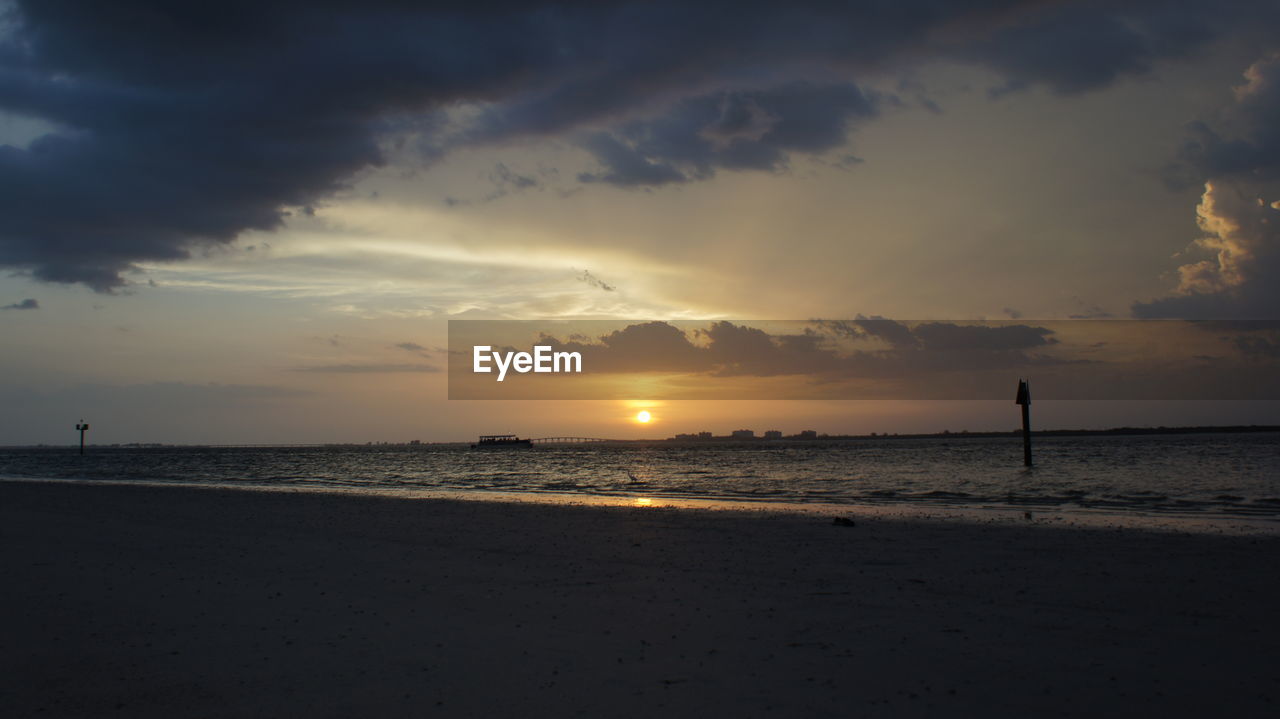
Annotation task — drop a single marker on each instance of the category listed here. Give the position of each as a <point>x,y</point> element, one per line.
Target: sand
<point>187,602</point>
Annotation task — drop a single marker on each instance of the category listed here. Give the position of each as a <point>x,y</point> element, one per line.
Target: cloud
<point>505,182</point>
<point>728,349</point>
<point>505,178</point>
<point>1258,346</point>
<point>731,130</point>
<point>178,394</point>
<point>1080,47</point>
<point>944,346</point>
<point>643,347</point>
<point>1248,146</point>
<point>947,337</point>
<point>183,125</point>
<point>1091,312</point>
<point>624,164</point>
<point>894,333</point>
<point>594,281</point>
<point>952,360</point>
<point>1239,279</point>
<point>1239,211</point>
<point>367,368</point>
<point>27,304</point>
<point>417,349</point>
<point>748,351</point>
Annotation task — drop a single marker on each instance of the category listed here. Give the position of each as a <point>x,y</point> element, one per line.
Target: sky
<point>251,222</point>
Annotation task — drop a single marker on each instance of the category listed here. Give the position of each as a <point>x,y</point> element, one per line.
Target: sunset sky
<point>246,222</point>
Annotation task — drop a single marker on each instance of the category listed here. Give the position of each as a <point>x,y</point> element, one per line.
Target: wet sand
<point>172,601</point>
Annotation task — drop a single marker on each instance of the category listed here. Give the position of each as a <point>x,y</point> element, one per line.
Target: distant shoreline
<point>721,440</point>
<point>948,434</point>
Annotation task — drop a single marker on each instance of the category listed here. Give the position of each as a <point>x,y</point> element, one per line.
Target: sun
<point>643,417</point>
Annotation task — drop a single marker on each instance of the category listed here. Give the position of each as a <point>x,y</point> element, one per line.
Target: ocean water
<point>1199,474</point>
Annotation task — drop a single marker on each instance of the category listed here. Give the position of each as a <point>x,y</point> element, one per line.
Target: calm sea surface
<point>1205,474</point>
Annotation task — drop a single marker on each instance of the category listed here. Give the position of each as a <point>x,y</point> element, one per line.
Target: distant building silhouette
<point>700,435</point>
<point>808,434</point>
<point>773,434</point>
<point>743,434</point>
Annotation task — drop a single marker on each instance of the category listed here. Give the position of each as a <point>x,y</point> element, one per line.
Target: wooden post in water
<point>82,427</point>
<point>1024,399</point>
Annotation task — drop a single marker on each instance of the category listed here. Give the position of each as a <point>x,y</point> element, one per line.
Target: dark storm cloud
<point>1080,47</point>
<point>1238,162</point>
<point>733,130</point>
<point>1254,301</point>
<point>185,124</point>
<point>188,123</point>
<point>27,304</point>
<point>1248,147</point>
<point>625,164</point>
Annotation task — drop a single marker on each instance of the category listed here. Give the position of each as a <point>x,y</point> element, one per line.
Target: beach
<point>163,601</point>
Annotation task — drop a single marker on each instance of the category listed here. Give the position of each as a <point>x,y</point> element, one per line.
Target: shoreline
<point>911,510</point>
<point>720,439</point>
<point>163,600</point>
